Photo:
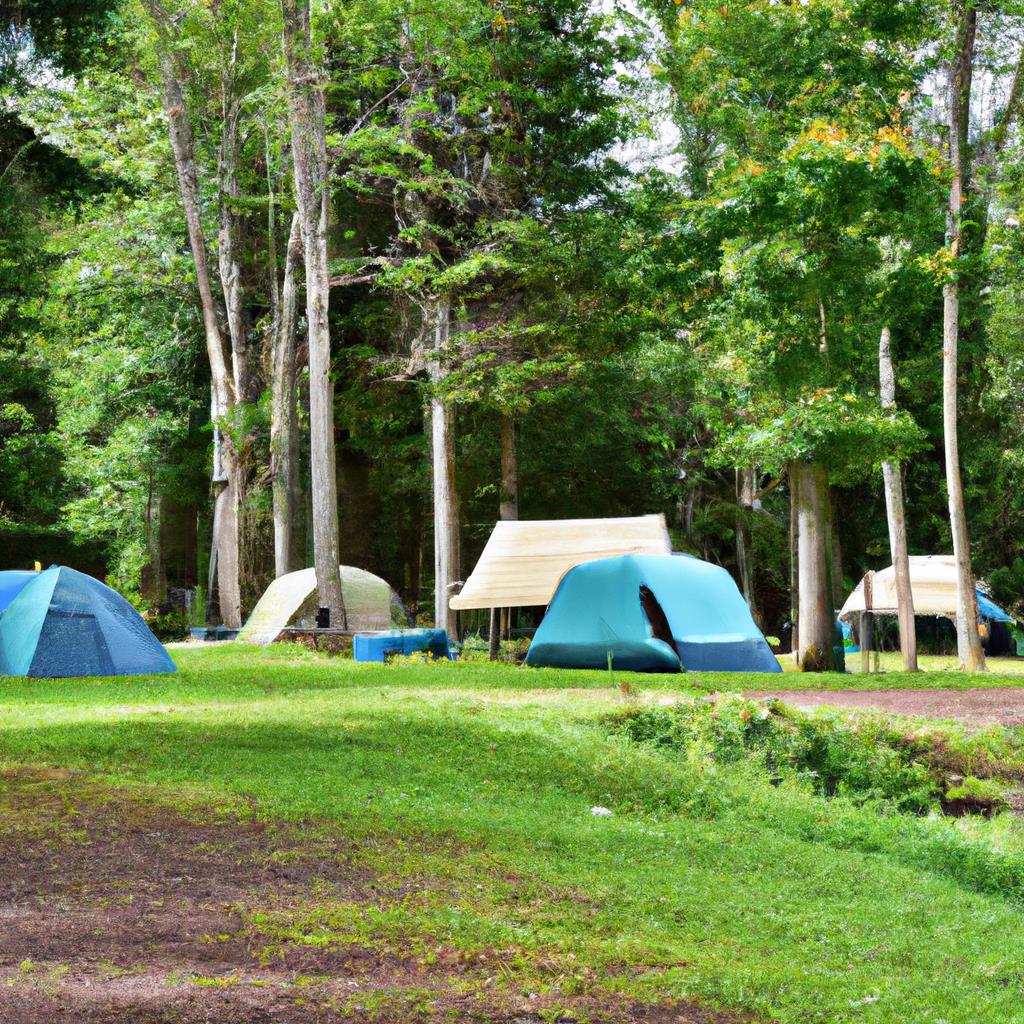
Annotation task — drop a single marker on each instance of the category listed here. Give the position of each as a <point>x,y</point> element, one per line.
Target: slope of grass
<point>705,882</point>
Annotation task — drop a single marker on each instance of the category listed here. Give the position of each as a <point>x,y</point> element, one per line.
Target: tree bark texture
<point>794,565</point>
<point>284,420</point>
<point>508,506</point>
<point>442,448</point>
<point>746,489</point>
<point>229,249</point>
<point>969,649</point>
<point>815,614</point>
<point>896,516</point>
<point>835,562</point>
<point>309,157</point>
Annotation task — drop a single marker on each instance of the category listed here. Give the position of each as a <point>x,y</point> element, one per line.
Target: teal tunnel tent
<point>62,623</point>
<point>650,613</point>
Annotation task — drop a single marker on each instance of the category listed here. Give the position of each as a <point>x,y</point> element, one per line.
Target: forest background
<point>477,258</point>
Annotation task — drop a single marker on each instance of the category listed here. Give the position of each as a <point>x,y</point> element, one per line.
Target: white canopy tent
<point>523,561</point>
<point>932,582</point>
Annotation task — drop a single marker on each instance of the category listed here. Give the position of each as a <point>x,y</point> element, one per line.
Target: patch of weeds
<point>868,759</point>
<point>974,796</point>
<point>402,1003</point>
<point>222,981</point>
<point>312,979</point>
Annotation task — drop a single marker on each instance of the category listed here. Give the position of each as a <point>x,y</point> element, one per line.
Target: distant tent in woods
<point>650,613</point>
<point>61,623</point>
<point>292,600</point>
<point>523,560</point>
<point>933,584</point>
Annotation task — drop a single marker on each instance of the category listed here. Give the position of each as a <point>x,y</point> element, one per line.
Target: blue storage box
<point>381,646</point>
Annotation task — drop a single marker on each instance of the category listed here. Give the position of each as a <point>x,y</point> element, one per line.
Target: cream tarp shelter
<point>524,560</point>
<point>932,582</point>
<point>291,600</point>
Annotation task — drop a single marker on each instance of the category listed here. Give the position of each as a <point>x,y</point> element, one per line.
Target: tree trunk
<point>896,517</point>
<point>229,247</point>
<point>442,449</point>
<point>746,489</point>
<point>814,653</point>
<point>835,562</point>
<point>794,566</point>
<point>224,395</point>
<point>508,507</point>
<point>284,421</point>
<point>968,640</point>
<point>309,156</point>
<point>153,581</point>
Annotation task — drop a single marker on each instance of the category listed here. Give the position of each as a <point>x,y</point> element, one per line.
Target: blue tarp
<point>650,613</point>
<point>63,623</point>
<point>990,610</point>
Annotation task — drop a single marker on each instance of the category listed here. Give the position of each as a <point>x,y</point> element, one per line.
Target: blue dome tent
<point>11,583</point>
<point>62,623</point>
<point>650,613</point>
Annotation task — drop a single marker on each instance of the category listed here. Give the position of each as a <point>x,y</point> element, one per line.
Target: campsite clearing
<point>426,833</point>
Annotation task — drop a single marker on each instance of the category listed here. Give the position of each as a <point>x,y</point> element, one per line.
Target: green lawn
<point>704,883</point>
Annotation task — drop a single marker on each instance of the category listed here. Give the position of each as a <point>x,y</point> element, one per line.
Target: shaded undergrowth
<point>866,758</point>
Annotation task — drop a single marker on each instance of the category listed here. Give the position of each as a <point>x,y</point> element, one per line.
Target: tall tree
<point>312,196</point>
<point>284,427</point>
<point>896,516</point>
<point>223,382</point>
<point>961,68</point>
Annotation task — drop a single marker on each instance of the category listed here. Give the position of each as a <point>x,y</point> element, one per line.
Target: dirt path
<point>115,910</point>
<point>1002,706</point>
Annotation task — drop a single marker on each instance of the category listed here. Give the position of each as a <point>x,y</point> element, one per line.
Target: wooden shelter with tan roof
<point>524,560</point>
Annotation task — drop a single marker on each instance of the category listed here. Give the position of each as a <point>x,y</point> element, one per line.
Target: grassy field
<point>704,883</point>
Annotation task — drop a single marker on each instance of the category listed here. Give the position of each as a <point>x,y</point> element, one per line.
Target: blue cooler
<point>381,646</point>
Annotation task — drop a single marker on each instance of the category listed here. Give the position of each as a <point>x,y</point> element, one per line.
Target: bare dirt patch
<point>1002,706</point>
<point>117,909</point>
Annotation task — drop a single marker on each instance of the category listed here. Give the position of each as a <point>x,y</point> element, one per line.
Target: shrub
<point>867,759</point>
<point>170,626</point>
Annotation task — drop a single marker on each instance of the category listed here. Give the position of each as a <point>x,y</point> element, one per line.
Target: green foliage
<point>842,431</point>
<point>170,626</point>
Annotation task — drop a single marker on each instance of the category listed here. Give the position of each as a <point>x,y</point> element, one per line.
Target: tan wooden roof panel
<point>524,560</point>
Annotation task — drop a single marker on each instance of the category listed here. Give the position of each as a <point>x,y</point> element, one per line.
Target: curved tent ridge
<point>292,597</point>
